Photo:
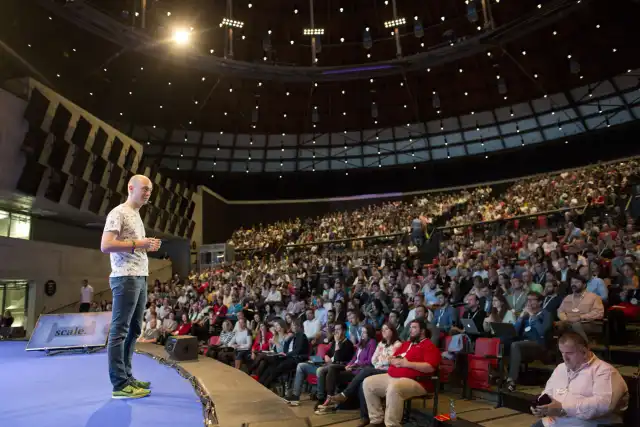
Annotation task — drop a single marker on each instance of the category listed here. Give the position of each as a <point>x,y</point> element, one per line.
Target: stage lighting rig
<point>395,23</point>
<point>231,23</point>
<point>313,31</point>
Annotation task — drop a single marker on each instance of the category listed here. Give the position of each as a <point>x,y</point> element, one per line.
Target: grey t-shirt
<point>126,222</point>
<point>150,334</point>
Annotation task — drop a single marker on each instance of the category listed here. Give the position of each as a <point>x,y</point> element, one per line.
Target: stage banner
<point>70,330</point>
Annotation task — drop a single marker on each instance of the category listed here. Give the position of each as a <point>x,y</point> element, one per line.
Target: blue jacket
<point>540,327</point>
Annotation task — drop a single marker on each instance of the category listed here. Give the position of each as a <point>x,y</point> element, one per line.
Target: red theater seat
<point>484,358</point>
<point>321,351</point>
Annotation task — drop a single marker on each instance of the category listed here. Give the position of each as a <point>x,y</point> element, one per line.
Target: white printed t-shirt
<point>127,224</point>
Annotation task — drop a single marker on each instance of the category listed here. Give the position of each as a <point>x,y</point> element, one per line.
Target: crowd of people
<point>374,220</point>
<point>370,324</point>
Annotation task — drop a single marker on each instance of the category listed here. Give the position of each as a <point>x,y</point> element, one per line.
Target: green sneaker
<point>140,384</point>
<point>130,392</point>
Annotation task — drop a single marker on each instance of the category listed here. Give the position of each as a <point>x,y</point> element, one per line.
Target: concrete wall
<point>67,265</point>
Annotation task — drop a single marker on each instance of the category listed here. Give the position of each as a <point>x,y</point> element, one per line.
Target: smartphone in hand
<point>542,400</point>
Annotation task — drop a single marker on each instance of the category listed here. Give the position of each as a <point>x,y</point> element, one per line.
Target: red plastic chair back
<point>322,350</point>
<point>479,365</point>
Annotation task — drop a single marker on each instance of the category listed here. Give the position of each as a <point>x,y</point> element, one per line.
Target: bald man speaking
<point>124,239</point>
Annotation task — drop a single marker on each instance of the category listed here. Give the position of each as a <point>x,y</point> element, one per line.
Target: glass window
<point>15,302</point>
<point>4,225</point>
<point>20,226</point>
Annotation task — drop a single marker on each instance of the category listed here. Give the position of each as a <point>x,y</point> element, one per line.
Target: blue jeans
<point>304,369</point>
<point>129,300</point>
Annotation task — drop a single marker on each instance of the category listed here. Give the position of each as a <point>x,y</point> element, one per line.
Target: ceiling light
<point>211,51</point>
<point>479,28</point>
<point>555,33</point>
<point>366,29</point>
<point>313,31</point>
<point>232,23</point>
<point>598,26</point>
<point>395,23</point>
<point>295,11</point>
<point>291,42</point>
<point>535,76</point>
<point>161,106</point>
<point>287,93</point>
<point>169,83</point>
<point>370,80</point>
<point>168,13</point>
<point>460,70</point>
<point>230,89</point>
<point>341,10</point>
<point>243,37</point>
<point>421,44</point>
<point>615,50</point>
<point>524,52</point>
<point>343,92</point>
<point>341,39</point>
<point>315,84</point>
<point>539,6</point>
<point>269,32</point>
<point>368,55</point>
<point>488,53</point>
<point>259,83</point>
<point>264,58</point>
<point>442,18</point>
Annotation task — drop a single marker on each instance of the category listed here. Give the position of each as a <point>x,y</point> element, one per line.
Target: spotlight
<point>395,23</point>
<point>313,31</point>
<point>181,36</point>
<point>232,23</point>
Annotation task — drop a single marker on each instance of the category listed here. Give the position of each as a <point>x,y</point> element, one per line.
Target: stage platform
<point>73,390</point>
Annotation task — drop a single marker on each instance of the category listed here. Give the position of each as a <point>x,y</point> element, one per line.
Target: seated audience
<point>580,309</point>
<point>226,336</point>
<point>341,374</point>
<point>408,376</point>
<point>533,327</point>
<point>584,390</point>
<point>500,313</point>
<point>151,331</point>
<point>340,354</point>
<point>380,361</point>
<point>295,350</point>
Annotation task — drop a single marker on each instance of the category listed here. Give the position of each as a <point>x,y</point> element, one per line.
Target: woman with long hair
<point>500,313</point>
<point>226,336</point>
<point>380,364</point>
<point>276,346</point>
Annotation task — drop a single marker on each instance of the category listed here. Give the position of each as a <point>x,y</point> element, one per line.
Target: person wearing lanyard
<point>533,328</point>
<point>552,300</point>
<point>416,358</point>
<point>473,312</point>
<point>584,390</point>
<point>516,296</point>
<point>444,316</point>
<point>580,309</point>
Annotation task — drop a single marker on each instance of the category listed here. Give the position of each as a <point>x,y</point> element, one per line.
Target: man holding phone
<point>125,241</point>
<point>582,391</point>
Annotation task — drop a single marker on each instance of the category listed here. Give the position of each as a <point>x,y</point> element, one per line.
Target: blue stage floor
<point>74,391</point>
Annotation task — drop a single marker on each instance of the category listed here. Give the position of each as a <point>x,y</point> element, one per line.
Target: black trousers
<point>262,362</point>
<point>84,307</point>
<point>335,374</point>
<point>273,372</point>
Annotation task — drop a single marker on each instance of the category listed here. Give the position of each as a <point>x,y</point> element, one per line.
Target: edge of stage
<point>239,400</point>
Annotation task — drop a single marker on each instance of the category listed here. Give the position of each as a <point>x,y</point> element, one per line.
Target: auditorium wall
<point>39,262</point>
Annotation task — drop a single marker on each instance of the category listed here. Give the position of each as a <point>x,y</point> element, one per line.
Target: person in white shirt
<point>312,326</point>
<point>241,342</point>
<point>584,391</point>
<point>274,294</point>
<point>124,239</point>
<point>86,296</point>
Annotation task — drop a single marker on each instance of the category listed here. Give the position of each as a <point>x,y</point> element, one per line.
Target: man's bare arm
<point>110,243</point>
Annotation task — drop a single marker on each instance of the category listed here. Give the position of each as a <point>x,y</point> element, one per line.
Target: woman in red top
<point>261,343</point>
<point>185,326</point>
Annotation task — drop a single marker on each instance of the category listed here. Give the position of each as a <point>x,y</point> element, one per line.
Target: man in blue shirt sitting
<point>595,284</point>
<point>444,316</point>
<point>533,328</point>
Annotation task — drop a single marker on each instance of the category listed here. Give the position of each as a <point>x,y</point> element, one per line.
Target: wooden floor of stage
<point>240,401</point>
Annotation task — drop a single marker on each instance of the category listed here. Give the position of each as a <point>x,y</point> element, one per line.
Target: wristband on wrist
<point>133,246</point>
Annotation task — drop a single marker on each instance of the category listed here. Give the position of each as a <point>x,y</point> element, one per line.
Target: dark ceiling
<point>138,89</point>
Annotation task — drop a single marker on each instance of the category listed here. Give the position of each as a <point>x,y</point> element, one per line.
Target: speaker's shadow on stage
<point>113,413</point>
